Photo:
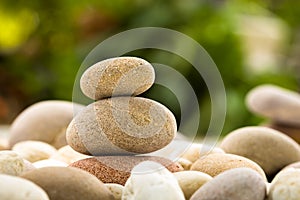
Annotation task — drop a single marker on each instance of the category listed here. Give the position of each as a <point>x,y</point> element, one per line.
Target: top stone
<point>121,76</point>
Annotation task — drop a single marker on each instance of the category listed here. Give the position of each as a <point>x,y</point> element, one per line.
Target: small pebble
<point>68,183</point>
<point>16,188</point>
<point>49,163</point>
<point>68,155</point>
<point>285,186</point>
<point>293,165</point>
<point>269,148</point>
<point>186,164</point>
<point>34,150</point>
<point>151,181</point>
<point>234,184</point>
<point>122,125</point>
<point>214,164</point>
<point>191,181</point>
<point>44,121</point>
<point>11,163</point>
<point>279,104</point>
<point>116,169</point>
<point>122,76</point>
<point>3,144</point>
<point>116,190</point>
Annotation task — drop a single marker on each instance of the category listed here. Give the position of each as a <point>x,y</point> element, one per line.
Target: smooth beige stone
<point>49,163</point>
<point>44,121</point>
<point>68,155</point>
<point>186,164</point>
<point>191,181</point>
<point>121,76</point>
<point>16,188</point>
<point>269,148</point>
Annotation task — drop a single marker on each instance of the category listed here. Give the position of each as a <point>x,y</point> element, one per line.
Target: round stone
<point>214,164</point>
<point>276,103</point>
<point>49,163</point>
<point>234,184</point>
<point>68,155</point>
<point>122,125</point>
<point>116,169</point>
<point>286,185</point>
<point>121,76</point>
<point>269,148</point>
<point>68,183</point>
<point>191,181</point>
<point>44,121</point>
<point>34,150</point>
<point>16,188</point>
<point>11,163</point>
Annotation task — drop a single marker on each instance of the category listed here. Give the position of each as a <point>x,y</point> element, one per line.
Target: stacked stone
<point>119,125</point>
<point>279,105</point>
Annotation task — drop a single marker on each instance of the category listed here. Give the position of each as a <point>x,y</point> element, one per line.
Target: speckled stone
<point>234,184</point>
<point>122,125</point>
<point>44,121</point>
<point>68,183</point>
<point>214,164</point>
<point>116,169</point>
<point>276,103</point>
<point>286,185</point>
<point>269,148</point>
<point>121,76</point>
<point>11,163</point>
<point>16,188</point>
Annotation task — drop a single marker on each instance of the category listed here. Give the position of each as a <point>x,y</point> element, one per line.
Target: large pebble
<point>122,125</point>
<point>269,148</point>
<point>285,186</point>
<point>16,188</point>
<point>68,183</point>
<point>44,121</point>
<point>151,181</point>
<point>234,184</point>
<point>122,76</point>
<point>279,104</point>
<point>68,155</point>
<point>214,164</point>
<point>34,150</point>
<point>191,181</point>
<point>11,163</point>
<point>116,169</point>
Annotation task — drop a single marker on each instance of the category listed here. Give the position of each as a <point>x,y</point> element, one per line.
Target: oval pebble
<point>234,184</point>
<point>295,165</point>
<point>11,163</point>
<point>121,76</point>
<point>186,164</point>
<point>191,181</point>
<point>68,155</point>
<point>44,121</point>
<point>116,190</point>
<point>34,150</point>
<point>116,169</point>
<point>16,188</point>
<point>49,163</point>
<point>276,103</point>
<point>286,185</point>
<point>68,183</point>
<point>122,125</point>
<point>269,148</point>
<point>214,164</point>
<point>150,180</point>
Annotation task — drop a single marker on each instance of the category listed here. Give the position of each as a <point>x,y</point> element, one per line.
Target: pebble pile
<point>117,147</point>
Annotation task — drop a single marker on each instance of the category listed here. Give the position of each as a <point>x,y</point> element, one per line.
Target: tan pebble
<point>3,144</point>
<point>116,190</point>
<point>276,103</point>
<point>116,169</point>
<point>291,131</point>
<point>191,181</point>
<point>68,155</point>
<point>150,180</point>
<point>11,163</point>
<point>49,163</point>
<point>122,125</point>
<point>16,188</point>
<point>214,164</point>
<point>122,76</point>
<point>44,121</point>
<point>196,150</point>
<point>68,183</point>
<point>234,184</point>
<point>34,150</point>
<point>186,164</point>
<point>286,185</point>
<point>269,148</point>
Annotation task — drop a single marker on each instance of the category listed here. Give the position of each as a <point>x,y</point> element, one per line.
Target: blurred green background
<point>42,45</point>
